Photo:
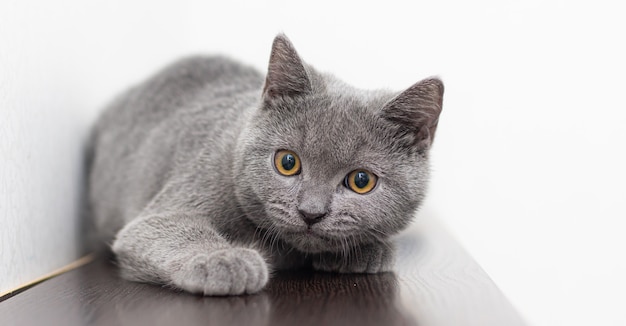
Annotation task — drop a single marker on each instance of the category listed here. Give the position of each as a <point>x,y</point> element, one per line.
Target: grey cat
<point>207,177</point>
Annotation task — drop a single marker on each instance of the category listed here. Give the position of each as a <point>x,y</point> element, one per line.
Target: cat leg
<point>185,251</point>
<point>368,258</point>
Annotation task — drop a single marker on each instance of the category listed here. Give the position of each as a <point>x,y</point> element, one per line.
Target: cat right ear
<point>416,111</point>
<point>286,75</point>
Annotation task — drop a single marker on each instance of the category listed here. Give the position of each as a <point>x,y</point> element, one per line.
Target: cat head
<point>325,166</point>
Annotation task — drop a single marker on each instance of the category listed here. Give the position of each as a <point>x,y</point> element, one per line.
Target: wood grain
<point>440,283</point>
<point>436,283</point>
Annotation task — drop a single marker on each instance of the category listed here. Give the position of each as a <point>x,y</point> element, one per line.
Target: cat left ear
<point>286,75</point>
<point>417,111</point>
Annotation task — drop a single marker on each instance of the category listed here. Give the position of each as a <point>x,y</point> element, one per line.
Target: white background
<point>529,157</point>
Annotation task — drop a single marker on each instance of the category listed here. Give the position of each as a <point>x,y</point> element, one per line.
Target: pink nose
<point>311,218</point>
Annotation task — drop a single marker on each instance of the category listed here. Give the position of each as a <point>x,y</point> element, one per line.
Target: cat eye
<point>360,181</point>
<point>287,162</point>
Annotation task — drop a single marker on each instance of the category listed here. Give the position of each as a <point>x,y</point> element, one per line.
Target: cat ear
<point>286,75</point>
<point>417,111</point>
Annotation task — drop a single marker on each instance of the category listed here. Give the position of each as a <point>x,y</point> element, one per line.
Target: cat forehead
<point>344,110</point>
<point>337,89</point>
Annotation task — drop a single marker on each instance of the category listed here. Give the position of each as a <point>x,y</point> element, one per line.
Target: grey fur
<point>182,178</point>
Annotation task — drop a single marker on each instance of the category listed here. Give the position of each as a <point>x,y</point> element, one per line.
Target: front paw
<point>371,258</point>
<point>230,271</point>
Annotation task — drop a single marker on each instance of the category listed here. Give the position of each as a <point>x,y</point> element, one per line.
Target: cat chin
<point>310,247</point>
<point>309,242</point>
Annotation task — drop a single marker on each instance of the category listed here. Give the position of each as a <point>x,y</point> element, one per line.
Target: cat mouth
<point>311,232</point>
<point>315,236</point>
<point>308,239</point>
<point>306,233</point>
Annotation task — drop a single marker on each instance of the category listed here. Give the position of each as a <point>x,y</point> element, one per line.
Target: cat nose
<point>311,218</point>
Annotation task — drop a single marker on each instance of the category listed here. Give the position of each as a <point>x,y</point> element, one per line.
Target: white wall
<point>529,156</point>
<point>60,62</point>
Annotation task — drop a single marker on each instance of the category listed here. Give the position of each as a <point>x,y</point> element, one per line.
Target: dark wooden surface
<point>435,283</point>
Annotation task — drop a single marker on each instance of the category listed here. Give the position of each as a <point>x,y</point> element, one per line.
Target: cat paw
<point>230,271</point>
<point>372,258</point>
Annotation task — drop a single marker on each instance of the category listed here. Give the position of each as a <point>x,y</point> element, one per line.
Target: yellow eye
<point>360,181</point>
<point>287,162</point>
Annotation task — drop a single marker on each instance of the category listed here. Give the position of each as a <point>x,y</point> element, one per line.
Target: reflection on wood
<point>436,283</point>
<point>440,284</point>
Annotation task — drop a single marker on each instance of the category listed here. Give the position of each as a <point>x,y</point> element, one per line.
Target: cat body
<point>193,176</point>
